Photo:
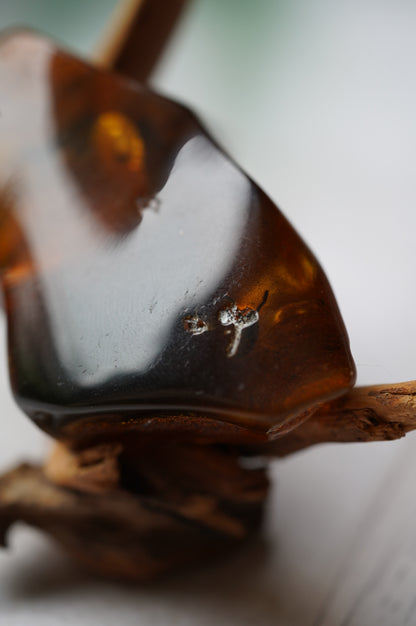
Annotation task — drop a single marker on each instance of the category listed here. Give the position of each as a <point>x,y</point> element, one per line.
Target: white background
<point>316,100</point>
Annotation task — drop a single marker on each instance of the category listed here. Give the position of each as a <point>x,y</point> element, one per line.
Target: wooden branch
<point>162,518</point>
<point>373,413</point>
<point>137,35</point>
<point>137,516</point>
<point>117,32</point>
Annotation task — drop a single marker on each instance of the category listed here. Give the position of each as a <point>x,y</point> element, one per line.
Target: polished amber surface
<point>144,273</point>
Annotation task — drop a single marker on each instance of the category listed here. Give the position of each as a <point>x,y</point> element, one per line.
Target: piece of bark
<point>373,413</point>
<point>94,470</point>
<point>122,533</point>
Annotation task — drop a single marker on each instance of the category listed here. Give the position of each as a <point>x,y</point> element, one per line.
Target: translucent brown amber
<point>145,275</point>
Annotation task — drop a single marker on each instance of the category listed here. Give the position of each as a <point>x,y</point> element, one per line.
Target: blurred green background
<point>77,24</point>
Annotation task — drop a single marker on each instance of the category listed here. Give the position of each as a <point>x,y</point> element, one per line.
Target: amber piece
<point>145,275</point>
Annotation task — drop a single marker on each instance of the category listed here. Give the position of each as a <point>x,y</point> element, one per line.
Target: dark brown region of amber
<point>144,273</point>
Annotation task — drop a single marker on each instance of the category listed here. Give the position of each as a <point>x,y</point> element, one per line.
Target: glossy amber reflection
<point>162,280</point>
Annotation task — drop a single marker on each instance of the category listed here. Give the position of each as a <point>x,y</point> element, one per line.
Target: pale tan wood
<point>136,36</point>
<point>94,470</point>
<point>373,413</point>
<point>114,36</point>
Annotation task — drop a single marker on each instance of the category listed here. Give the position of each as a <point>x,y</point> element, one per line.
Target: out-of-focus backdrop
<point>316,100</point>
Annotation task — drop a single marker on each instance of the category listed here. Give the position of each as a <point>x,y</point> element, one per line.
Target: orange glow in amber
<point>292,309</point>
<point>117,139</point>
